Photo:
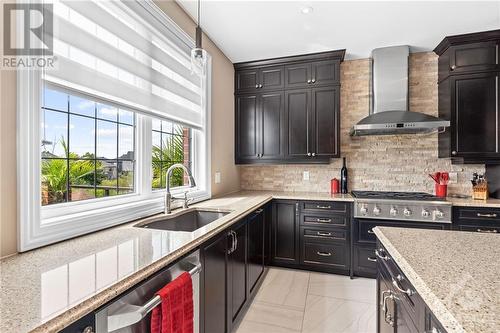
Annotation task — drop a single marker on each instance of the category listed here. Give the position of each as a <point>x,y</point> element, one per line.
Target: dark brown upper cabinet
<point>287,110</point>
<point>259,127</point>
<point>268,78</point>
<point>469,97</point>
<point>312,123</point>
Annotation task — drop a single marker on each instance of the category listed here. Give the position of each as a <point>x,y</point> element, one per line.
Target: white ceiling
<point>250,30</point>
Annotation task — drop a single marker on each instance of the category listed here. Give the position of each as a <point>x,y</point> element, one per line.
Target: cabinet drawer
<point>318,219</point>
<point>363,229</point>
<point>331,254</point>
<point>364,261</point>
<point>478,228</point>
<point>483,214</point>
<point>318,233</point>
<point>326,206</point>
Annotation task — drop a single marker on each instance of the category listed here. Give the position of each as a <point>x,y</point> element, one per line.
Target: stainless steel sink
<point>189,220</point>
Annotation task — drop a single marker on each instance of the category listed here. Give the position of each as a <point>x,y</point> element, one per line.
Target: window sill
<point>58,228</point>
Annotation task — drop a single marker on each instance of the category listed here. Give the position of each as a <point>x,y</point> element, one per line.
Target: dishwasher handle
<point>133,314</point>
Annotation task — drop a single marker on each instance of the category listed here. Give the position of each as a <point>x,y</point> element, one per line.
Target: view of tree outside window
<point>87,149</point>
<point>171,144</point>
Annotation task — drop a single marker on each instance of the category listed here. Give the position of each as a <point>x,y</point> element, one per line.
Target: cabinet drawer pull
<point>319,233</point>
<point>486,215</point>
<point>323,220</point>
<point>258,211</point>
<point>372,259</point>
<point>383,257</point>
<point>323,254</point>
<point>408,291</point>
<point>323,207</point>
<point>435,330</point>
<point>371,231</point>
<point>491,231</point>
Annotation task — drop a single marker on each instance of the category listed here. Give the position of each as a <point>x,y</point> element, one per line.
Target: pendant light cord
<point>199,9</point>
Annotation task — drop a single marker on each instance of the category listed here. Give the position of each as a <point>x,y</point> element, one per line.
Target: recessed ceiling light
<point>306,10</point>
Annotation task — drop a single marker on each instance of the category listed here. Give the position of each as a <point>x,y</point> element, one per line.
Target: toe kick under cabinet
<point>312,235</point>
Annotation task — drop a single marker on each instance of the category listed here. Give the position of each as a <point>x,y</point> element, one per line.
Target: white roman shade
<point>127,53</point>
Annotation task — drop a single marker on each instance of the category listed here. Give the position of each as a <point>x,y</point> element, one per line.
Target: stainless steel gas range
<point>401,206</point>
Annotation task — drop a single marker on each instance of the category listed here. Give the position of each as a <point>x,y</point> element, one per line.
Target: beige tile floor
<point>308,302</point>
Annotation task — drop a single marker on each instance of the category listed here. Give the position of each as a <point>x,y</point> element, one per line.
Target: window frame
<point>42,225</point>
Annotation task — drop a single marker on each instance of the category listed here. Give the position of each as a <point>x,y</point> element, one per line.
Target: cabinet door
<point>271,119</point>
<point>237,269</point>
<point>284,242</point>
<point>214,256</point>
<point>297,75</point>
<point>325,72</point>
<point>247,79</point>
<point>247,127</point>
<point>297,105</point>
<point>272,78</point>
<point>474,99</point>
<point>255,249</point>
<point>473,57</point>
<point>325,115</point>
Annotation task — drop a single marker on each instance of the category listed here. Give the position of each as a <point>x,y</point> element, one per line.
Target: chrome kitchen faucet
<point>168,195</point>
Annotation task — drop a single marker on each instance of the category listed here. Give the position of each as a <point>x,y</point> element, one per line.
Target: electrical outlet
<point>305,175</point>
<point>453,178</point>
<point>217,177</point>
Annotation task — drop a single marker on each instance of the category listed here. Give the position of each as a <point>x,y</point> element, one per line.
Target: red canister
<point>334,186</point>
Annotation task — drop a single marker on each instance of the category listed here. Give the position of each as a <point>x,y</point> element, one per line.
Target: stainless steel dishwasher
<point>131,313</point>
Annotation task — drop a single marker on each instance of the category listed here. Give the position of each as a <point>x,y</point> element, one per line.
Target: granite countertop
<point>456,273</point>
<point>46,289</point>
<point>469,202</point>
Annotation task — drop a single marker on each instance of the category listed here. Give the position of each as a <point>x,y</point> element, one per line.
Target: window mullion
<point>144,148</point>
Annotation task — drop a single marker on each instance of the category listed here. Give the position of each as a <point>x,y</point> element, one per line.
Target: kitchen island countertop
<point>455,273</point>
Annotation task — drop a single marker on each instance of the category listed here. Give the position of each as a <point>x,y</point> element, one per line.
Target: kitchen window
<point>99,130</point>
<point>171,144</point>
<point>87,149</point>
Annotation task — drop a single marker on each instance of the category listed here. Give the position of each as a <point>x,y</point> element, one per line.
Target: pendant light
<point>198,54</point>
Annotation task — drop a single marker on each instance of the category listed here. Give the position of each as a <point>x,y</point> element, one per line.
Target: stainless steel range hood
<point>389,104</point>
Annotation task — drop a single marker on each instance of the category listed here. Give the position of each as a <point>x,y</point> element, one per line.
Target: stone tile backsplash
<point>390,163</point>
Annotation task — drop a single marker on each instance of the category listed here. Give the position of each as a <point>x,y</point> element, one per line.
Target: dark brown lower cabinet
<point>237,272</point>
<point>233,268</point>
<point>285,233</point>
<point>256,238</point>
<point>476,219</point>
<point>213,285</point>
<point>364,240</point>
<point>400,309</point>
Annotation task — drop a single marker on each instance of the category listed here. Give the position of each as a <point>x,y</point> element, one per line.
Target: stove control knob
<point>363,210</point>
<point>439,214</point>
<point>407,212</point>
<point>425,213</point>
<point>376,210</point>
<point>393,211</point>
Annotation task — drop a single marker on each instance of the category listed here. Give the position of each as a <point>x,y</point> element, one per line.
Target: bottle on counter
<point>343,177</point>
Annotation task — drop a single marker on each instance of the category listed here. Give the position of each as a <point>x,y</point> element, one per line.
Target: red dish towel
<point>175,313</point>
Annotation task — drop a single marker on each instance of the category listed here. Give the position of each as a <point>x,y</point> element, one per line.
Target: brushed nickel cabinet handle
<point>371,231</point>
<point>323,254</point>
<point>309,81</point>
<point>323,207</point>
<point>308,154</point>
<point>372,259</point>
<point>323,220</point>
<point>313,154</point>
<point>453,67</point>
<point>454,152</point>
<point>313,80</point>
<point>260,85</point>
<point>326,234</point>
<point>383,257</point>
<point>486,215</point>
<point>408,291</point>
<point>491,231</point>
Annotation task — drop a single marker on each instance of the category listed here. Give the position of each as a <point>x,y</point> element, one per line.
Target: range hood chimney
<point>389,113</point>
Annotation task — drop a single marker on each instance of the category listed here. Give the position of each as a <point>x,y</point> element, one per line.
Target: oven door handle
<point>132,314</point>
